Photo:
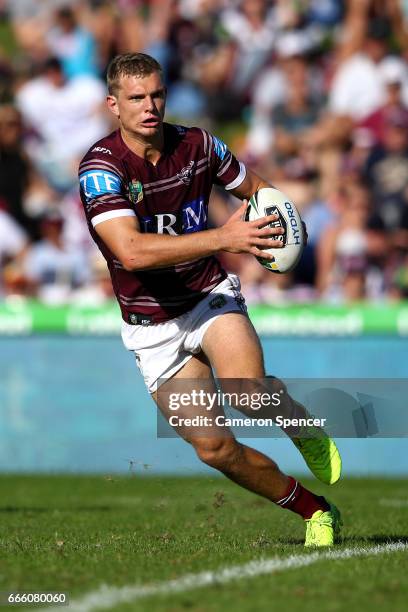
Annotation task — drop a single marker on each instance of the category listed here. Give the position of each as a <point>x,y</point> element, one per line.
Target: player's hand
<point>240,236</point>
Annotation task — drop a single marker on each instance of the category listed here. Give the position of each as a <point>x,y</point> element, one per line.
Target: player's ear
<point>112,103</point>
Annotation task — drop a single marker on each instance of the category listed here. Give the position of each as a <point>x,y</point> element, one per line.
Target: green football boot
<point>321,455</point>
<point>323,528</point>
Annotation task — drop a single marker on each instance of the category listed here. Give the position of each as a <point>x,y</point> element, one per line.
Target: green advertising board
<point>22,318</point>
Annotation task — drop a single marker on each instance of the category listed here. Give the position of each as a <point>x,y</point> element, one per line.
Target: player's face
<point>140,104</point>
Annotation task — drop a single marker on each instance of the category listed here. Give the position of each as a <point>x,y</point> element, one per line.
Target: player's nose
<point>149,103</point>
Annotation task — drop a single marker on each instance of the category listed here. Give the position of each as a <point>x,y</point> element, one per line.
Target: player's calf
<point>221,453</point>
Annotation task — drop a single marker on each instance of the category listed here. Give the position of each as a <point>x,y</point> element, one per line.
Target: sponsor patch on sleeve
<point>99,182</point>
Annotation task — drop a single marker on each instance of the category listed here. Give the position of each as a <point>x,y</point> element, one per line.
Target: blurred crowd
<point>312,94</point>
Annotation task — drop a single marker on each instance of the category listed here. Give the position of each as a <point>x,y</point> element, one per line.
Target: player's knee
<point>219,453</point>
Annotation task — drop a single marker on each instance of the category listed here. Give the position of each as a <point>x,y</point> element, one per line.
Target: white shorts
<point>163,348</point>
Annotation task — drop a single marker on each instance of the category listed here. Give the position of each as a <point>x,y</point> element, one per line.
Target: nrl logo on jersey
<point>101,150</point>
<point>135,191</point>
<point>186,174</point>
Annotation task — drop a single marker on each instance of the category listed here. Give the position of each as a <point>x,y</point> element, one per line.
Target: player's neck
<point>148,149</point>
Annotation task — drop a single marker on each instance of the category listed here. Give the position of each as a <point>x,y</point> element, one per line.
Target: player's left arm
<point>251,183</point>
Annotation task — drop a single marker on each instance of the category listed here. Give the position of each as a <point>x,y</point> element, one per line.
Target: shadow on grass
<point>354,540</point>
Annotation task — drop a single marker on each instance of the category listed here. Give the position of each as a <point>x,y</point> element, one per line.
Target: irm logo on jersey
<point>192,217</point>
<point>98,182</point>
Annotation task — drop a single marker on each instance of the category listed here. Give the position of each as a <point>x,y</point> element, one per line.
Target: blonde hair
<point>130,64</point>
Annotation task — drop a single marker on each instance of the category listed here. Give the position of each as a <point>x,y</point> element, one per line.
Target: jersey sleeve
<point>103,189</point>
<point>228,171</point>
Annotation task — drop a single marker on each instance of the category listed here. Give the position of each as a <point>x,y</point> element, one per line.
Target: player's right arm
<point>143,251</point>
<point>113,217</point>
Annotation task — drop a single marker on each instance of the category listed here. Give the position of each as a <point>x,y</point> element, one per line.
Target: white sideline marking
<point>106,597</point>
<point>394,503</point>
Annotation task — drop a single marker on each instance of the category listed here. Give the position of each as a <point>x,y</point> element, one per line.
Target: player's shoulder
<point>200,137</point>
<point>101,171</point>
<point>188,135</point>
<point>106,151</point>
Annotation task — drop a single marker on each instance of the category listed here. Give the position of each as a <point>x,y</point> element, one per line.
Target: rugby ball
<point>270,201</point>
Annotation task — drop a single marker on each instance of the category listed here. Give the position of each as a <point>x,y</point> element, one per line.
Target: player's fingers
<point>265,220</point>
<point>268,244</point>
<point>259,253</point>
<point>270,231</point>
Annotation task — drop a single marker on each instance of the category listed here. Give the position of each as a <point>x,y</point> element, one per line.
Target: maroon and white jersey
<point>169,197</point>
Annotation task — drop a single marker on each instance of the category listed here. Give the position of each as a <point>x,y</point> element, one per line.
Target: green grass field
<point>73,534</point>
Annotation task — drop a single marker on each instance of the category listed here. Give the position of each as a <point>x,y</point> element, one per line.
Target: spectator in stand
<point>98,289</point>
<point>351,252</point>
<point>297,114</point>
<point>179,55</point>
<point>357,87</point>
<point>65,117</point>
<point>228,72</point>
<point>131,26</point>
<point>73,45</point>
<point>252,28</point>
<point>53,269</point>
<point>387,169</point>
<point>394,73</point>
<point>30,22</point>
<point>100,17</point>
<point>276,97</point>
<point>23,190</point>
<point>14,166</point>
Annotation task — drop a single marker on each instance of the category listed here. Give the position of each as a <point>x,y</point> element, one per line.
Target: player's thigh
<point>194,376</point>
<point>233,347</point>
